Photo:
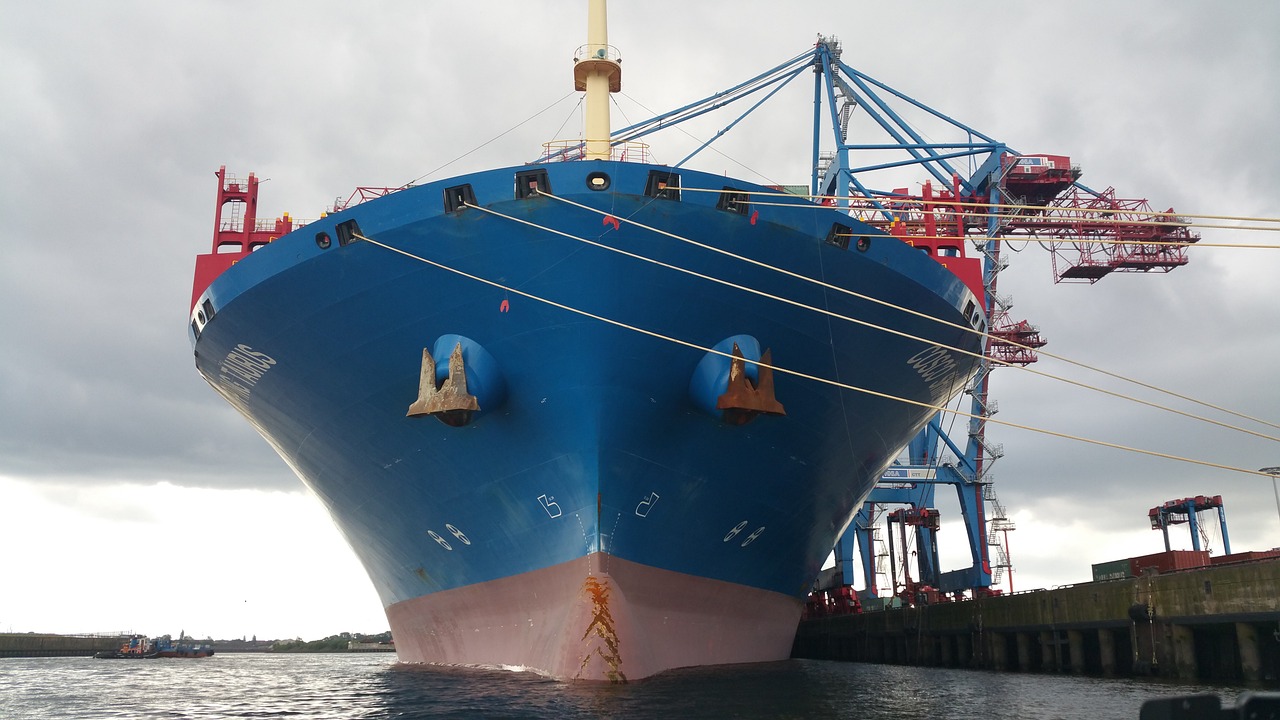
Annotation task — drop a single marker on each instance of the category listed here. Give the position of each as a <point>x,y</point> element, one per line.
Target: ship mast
<point>597,70</point>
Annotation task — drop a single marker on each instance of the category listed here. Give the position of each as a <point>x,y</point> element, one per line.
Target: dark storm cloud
<point>114,117</point>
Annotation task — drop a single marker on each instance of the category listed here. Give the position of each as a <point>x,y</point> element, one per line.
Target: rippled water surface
<point>375,686</point>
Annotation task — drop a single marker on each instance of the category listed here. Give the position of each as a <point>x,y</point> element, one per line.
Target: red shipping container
<point>1170,561</point>
<point>1245,556</point>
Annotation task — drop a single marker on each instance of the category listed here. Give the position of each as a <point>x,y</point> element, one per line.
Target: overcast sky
<point>121,471</point>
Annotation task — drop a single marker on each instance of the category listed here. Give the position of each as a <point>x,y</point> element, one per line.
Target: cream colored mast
<point>597,70</point>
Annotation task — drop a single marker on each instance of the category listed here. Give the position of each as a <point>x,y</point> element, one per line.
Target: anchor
<point>451,404</point>
<point>743,402</point>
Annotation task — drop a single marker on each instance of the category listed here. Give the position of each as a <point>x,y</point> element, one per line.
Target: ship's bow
<point>596,618</point>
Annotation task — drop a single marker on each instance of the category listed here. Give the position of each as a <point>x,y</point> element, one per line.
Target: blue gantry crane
<point>977,192</point>
<point>1186,510</point>
<point>1000,193</point>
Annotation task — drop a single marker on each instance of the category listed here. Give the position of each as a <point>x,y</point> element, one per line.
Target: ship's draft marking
<point>439,540</point>
<point>548,502</point>
<point>751,538</point>
<point>642,510</point>
<point>734,532</point>
<point>458,534</point>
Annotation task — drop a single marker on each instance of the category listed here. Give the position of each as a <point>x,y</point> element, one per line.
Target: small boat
<point>184,647</point>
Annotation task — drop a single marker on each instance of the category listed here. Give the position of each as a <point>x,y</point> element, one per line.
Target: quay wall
<point>1213,623</point>
<point>44,645</point>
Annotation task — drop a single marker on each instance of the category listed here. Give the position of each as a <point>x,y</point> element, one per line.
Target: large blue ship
<point>591,418</point>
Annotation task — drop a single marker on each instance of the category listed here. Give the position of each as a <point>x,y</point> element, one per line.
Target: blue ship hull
<point>588,448</point>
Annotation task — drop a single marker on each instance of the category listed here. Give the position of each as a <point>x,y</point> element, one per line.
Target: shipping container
<point>1245,557</point>
<point>888,603</point>
<point>1169,561</point>
<point>1114,570</point>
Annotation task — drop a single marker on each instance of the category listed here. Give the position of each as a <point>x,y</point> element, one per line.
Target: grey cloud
<point>114,118</point>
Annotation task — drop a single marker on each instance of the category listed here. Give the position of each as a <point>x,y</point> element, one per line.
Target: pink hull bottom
<point>596,618</point>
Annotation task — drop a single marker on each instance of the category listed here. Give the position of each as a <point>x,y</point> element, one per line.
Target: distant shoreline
<point>32,644</point>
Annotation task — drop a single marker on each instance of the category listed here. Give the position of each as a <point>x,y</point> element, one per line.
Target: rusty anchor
<point>742,401</point>
<point>450,403</point>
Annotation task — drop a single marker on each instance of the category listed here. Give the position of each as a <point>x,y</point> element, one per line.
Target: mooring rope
<point>796,373</point>
<point>857,321</point>
<point>947,323</point>
<point>1175,219</point>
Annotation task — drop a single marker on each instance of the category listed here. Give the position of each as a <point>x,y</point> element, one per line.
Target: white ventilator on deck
<point>597,70</point>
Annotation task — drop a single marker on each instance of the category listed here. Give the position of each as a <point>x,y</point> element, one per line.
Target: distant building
<point>356,646</point>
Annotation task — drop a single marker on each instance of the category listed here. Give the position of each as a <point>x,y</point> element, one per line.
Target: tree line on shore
<point>333,643</point>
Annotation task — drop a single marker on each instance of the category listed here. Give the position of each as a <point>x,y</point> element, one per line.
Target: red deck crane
<point>1089,234</point>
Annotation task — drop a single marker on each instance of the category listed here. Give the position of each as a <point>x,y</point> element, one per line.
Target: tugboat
<point>134,647</point>
<point>141,647</point>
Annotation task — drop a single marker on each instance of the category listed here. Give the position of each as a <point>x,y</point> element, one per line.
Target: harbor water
<point>375,686</point>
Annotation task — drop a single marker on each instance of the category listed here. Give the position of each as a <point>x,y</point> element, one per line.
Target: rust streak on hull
<point>601,627</point>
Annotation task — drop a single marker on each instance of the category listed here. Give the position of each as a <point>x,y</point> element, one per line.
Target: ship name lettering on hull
<point>241,370</point>
<point>936,367</point>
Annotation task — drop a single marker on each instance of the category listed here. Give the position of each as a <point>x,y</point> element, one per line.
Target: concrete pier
<point>1217,623</point>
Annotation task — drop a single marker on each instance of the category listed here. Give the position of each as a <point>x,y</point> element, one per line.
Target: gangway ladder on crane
<point>881,557</point>
<point>998,537</point>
